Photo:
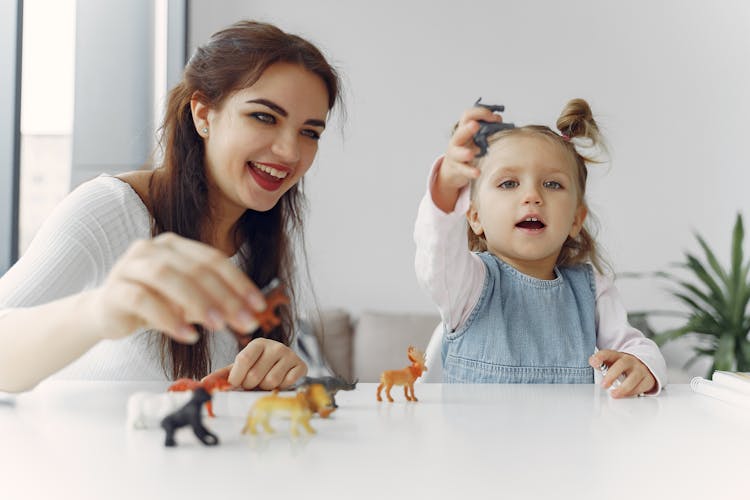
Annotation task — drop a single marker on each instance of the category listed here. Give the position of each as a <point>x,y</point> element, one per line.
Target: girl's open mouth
<point>531,223</point>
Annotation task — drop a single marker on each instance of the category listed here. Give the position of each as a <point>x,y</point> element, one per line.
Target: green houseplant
<point>716,299</point>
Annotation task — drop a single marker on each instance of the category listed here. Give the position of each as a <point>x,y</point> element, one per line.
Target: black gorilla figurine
<point>190,414</point>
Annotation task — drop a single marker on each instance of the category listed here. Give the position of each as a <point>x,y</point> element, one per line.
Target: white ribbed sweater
<point>74,251</point>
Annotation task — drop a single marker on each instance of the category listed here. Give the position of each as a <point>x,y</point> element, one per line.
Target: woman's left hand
<point>638,380</point>
<point>265,364</point>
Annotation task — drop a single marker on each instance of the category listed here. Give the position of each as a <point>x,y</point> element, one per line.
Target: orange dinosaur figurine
<point>308,400</point>
<point>275,297</point>
<point>211,383</point>
<point>405,377</point>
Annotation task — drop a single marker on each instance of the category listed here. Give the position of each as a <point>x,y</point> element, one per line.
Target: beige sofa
<point>364,346</point>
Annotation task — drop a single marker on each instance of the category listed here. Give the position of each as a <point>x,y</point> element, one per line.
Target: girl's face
<point>263,138</point>
<point>526,203</point>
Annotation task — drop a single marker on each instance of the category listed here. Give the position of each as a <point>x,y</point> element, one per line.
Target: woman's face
<point>263,138</point>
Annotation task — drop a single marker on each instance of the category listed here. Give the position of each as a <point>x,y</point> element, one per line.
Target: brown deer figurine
<point>405,377</point>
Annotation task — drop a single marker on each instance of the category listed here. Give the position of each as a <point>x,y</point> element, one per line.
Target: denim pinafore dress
<point>525,330</point>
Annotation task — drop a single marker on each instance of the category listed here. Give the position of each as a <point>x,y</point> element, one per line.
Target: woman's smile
<point>264,138</point>
<point>268,176</point>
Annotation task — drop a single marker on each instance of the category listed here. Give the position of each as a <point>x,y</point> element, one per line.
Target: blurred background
<point>84,82</point>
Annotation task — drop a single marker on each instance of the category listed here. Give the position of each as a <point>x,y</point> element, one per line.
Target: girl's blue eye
<point>508,184</point>
<point>552,185</point>
<point>264,118</point>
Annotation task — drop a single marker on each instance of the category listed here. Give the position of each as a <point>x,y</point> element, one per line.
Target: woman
<point>123,258</point>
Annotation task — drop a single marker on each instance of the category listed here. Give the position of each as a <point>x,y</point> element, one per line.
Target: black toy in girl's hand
<point>486,129</point>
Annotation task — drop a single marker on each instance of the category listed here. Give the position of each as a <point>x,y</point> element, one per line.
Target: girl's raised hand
<point>265,364</point>
<point>457,168</point>
<point>638,380</point>
<point>168,283</point>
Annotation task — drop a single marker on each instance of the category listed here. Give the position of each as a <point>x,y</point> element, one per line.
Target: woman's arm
<point>167,283</point>
<point>61,297</point>
<point>35,342</point>
<point>45,320</point>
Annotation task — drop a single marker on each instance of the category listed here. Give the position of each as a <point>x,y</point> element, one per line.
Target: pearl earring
<point>205,130</point>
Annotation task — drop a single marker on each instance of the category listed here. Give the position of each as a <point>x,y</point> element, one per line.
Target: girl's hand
<point>639,379</point>
<point>265,364</point>
<point>457,169</point>
<point>169,282</point>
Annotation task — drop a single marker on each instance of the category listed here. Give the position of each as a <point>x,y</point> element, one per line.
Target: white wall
<point>669,82</point>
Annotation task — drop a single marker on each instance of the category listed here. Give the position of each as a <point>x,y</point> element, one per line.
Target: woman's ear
<point>472,216</point>
<point>200,111</point>
<point>578,219</point>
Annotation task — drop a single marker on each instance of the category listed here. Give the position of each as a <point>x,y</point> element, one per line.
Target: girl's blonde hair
<point>575,122</point>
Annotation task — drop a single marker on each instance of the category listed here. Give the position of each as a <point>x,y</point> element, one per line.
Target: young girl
<point>182,249</point>
<point>527,301</point>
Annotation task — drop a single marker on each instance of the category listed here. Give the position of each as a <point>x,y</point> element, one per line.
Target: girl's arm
<point>446,269</point>
<point>616,334</point>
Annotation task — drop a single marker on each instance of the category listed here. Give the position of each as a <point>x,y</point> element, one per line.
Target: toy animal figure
<point>300,407</point>
<point>212,382</point>
<point>275,297</point>
<point>486,129</point>
<point>319,399</point>
<point>190,414</point>
<point>332,385</point>
<point>405,377</point>
<point>147,409</point>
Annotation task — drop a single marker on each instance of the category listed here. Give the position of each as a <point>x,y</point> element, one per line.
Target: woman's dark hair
<point>232,59</point>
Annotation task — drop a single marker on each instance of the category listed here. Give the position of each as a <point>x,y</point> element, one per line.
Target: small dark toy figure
<point>190,414</point>
<point>486,129</point>
<point>275,297</point>
<point>332,385</point>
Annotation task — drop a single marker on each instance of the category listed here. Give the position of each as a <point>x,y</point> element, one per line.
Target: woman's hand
<point>168,283</point>
<point>639,379</point>
<point>457,168</point>
<point>264,364</point>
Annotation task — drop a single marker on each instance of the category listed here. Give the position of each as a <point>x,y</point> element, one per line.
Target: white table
<point>69,440</point>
